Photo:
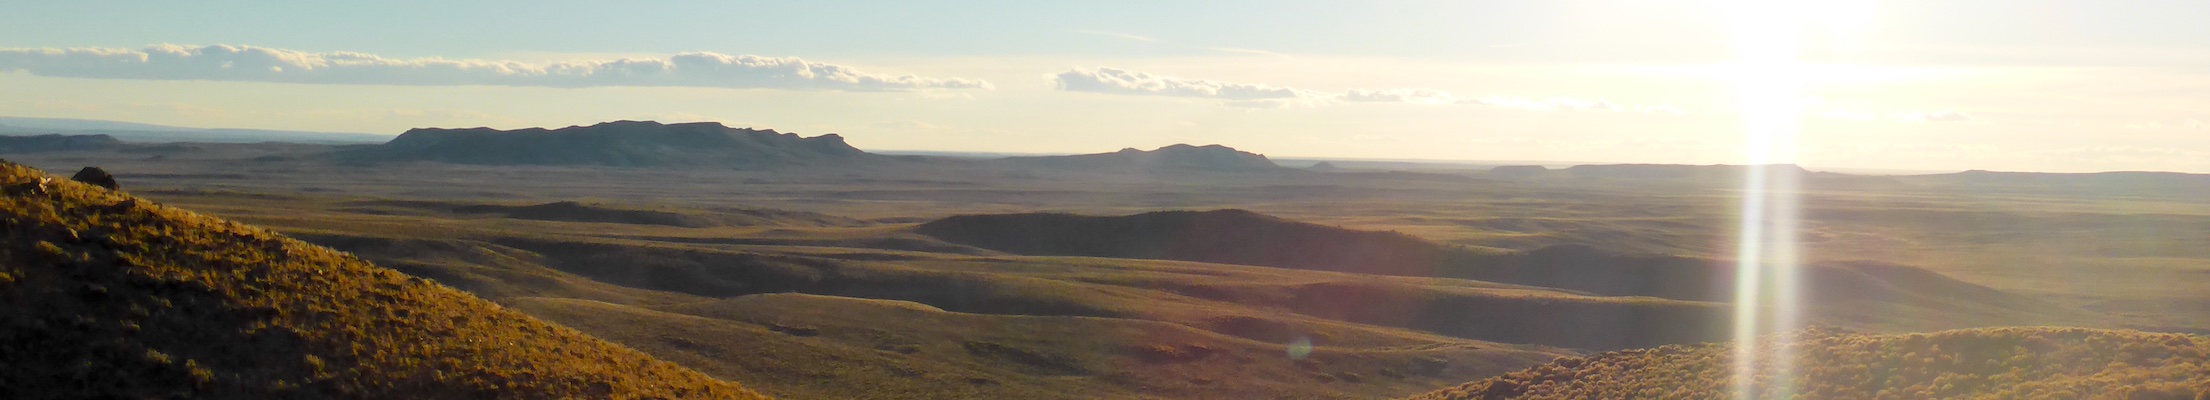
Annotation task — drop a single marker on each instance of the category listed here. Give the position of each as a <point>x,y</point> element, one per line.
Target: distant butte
<point>618,143</point>
<point>1176,157</point>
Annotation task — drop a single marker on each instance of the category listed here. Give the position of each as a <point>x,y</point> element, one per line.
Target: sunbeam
<point>1768,79</point>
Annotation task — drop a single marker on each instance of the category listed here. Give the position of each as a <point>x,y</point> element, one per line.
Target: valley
<point>1183,272</point>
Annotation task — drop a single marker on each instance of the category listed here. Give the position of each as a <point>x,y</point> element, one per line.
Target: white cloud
<point>2198,124</point>
<point>262,64</point>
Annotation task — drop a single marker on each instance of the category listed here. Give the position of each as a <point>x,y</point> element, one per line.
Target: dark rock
<point>95,176</point>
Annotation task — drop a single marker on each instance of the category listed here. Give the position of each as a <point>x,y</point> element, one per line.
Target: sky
<point>2023,85</point>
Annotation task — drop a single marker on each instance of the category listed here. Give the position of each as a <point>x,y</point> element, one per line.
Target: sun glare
<point>1768,76</point>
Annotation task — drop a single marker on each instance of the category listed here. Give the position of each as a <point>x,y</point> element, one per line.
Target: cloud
<point>2198,124</point>
<point>262,64</point>
<point>1932,116</point>
<point>1117,81</point>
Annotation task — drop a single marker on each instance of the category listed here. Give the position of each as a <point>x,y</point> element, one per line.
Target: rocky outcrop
<point>96,177</point>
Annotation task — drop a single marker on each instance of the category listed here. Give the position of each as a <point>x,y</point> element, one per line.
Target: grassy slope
<point>1996,363</point>
<point>109,295</point>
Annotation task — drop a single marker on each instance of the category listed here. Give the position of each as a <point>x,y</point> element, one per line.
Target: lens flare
<point>1768,76</point>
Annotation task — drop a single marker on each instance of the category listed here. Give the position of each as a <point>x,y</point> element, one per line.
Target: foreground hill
<point>110,296</point>
<point>2002,363</point>
<point>1176,157</point>
<point>618,143</point>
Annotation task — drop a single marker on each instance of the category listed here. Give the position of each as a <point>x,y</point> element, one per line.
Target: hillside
<point>111,296</point>
<point>2001,363</point>
<point>1176,157</point>
<point>618,143</point>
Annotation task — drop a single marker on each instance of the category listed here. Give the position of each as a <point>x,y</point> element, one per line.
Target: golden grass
<point>1993,363</point>
<point>111,296</point>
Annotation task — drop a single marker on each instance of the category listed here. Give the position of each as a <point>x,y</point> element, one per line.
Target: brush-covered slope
<point>1176,157</point>
<point>2000,363</point>
<point>110,296</point>
<point>619,143</point>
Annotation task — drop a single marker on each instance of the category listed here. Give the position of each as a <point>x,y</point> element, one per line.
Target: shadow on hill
<point>631,273</point>
<point>571,211</point>
<point>714,274</point>
<point>1221,236</point>
<point>578,212</point>
<point>1244,237</point>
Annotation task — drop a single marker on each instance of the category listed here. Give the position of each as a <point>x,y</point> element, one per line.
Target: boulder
<point>95,176</point>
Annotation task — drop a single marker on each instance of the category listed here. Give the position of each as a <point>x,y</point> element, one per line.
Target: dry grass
<point>111,296</point>
<point>1995,363</point>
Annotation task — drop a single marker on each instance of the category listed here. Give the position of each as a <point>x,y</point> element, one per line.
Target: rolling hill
<point>111,296</point>
<point>1248,238</point>
<point>618,143</point>
<point>849,325</point>
<point>1999,363</point>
